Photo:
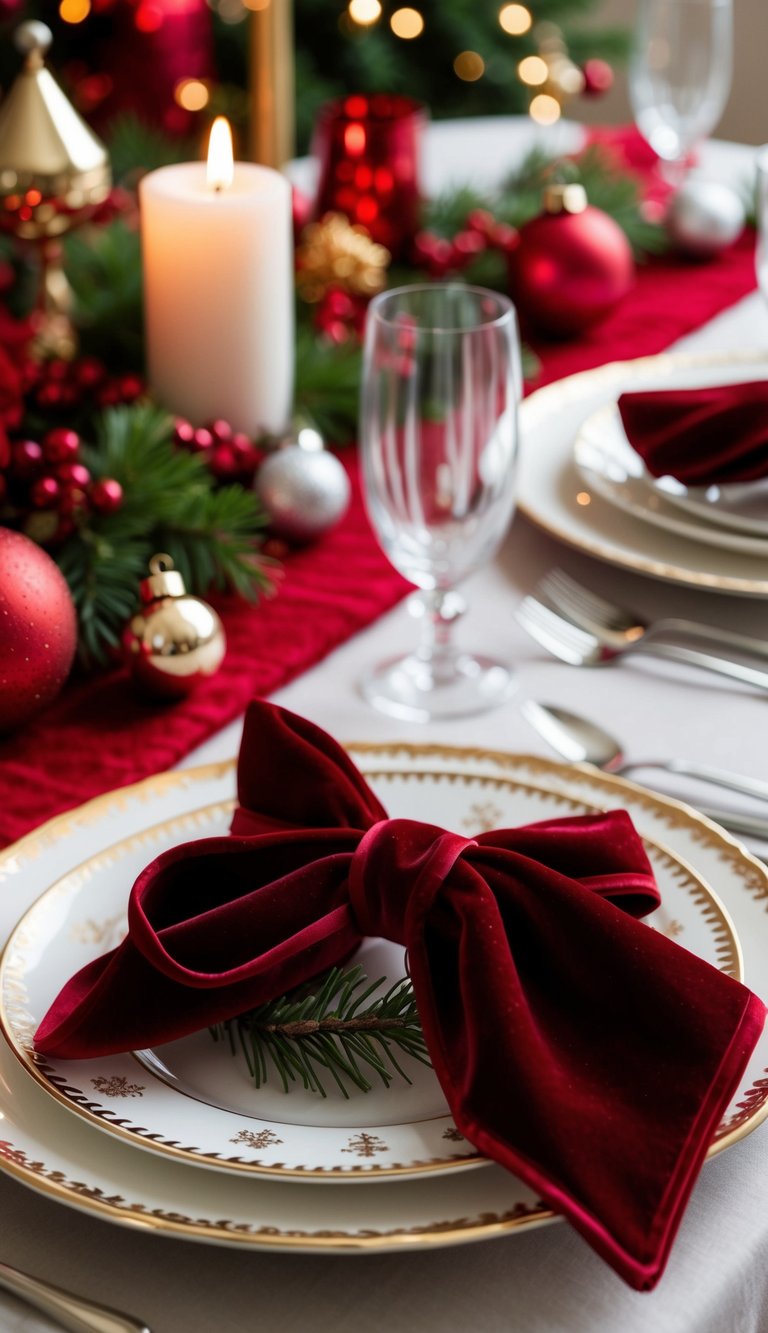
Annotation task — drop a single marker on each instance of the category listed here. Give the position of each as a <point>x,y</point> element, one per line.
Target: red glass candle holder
<point>368,148</point>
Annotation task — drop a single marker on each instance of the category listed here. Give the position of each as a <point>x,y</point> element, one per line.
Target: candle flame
<point>221,170</point>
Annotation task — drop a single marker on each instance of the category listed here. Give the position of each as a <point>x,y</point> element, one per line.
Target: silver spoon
<point>581,741</point>
<point>70,1311</point>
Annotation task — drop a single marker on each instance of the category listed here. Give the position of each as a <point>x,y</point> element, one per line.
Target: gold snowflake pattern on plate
<point>117,1086</point>
<point>262,1138</point>
<point>365,1145</point>
<point>482,817</point>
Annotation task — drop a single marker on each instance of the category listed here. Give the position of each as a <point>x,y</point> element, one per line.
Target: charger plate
<point>61,1156</point>
<point>191,1099</point>
<point>553,495</point>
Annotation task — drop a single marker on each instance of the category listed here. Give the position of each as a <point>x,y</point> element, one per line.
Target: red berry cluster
<point>47,486</point>
<point>66,386</point>
<point>230,454</point>
<point>482,232</point>
<point>340,316</point>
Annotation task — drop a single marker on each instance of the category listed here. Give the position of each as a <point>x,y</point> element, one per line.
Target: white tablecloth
<point>544,1281</point>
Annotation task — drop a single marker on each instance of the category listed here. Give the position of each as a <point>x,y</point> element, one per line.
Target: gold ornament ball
<point>175,640</point>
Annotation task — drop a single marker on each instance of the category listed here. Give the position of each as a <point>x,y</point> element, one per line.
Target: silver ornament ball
<point>704,217</point>
<point>304,491</point>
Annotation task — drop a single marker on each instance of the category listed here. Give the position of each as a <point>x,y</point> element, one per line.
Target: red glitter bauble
<point>38,629</point>
<point>571,266</point>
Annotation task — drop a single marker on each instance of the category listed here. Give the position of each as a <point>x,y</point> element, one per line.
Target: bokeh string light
<point>540,62</point>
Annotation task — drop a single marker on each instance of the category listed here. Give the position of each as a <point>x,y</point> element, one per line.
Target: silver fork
<point>580,648</point>
<point>618,626</point>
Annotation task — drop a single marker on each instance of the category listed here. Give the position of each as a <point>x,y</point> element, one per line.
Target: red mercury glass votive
<point>368,149</point>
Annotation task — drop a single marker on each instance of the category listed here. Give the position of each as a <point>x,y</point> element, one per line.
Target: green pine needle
<point>343,1025</point>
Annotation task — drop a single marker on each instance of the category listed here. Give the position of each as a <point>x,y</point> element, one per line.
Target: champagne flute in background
<point>680,74</point>
<point>439,434</point>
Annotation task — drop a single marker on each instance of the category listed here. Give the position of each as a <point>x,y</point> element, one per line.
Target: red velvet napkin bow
<point>703,437</point>
<point>577,1047</point>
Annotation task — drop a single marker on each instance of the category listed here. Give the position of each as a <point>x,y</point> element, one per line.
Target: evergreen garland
<point>170,504</point>
<point>343,1025</point>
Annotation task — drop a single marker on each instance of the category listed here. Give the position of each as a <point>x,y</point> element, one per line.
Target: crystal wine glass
<point>680,74</point>
<point>439,434</point>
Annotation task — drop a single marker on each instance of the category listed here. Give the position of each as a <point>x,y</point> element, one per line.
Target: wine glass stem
<point>439,611</point>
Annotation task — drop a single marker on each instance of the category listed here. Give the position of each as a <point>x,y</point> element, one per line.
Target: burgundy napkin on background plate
<point>583,1051</point>
<point>702,437</point>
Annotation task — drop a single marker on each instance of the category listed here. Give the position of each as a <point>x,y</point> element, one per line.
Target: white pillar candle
<point>218,292</point>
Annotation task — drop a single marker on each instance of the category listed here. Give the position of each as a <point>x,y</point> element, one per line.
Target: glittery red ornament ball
<point>38,629</point>
<point>569,270</point>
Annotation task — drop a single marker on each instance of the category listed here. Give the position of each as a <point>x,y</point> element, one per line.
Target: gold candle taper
<point>271,82</point>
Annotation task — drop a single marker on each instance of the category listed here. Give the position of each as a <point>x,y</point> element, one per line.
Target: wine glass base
<point>410,688</point>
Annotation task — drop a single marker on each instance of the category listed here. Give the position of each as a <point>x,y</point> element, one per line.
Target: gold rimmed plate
<point>191,1099</point>
<point>59,1154</point>
<point>555,496</point>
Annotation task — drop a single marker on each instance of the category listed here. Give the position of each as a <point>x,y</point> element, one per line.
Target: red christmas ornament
<point>571,266</point>
<point>39,629</point>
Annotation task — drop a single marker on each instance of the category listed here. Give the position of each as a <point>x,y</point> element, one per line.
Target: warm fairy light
<point>220,170</point>
<point>533,70</point>
<point>584,498</point>
<point>231,11</point>
<point>148,17</point>
<point>364,12</point>
<point>257,4</point>
<point>545,110</point>
<point>74,11</point>
<point>407,23</point>
<point>469,66</point>
<point>191,94</point>
<point>515,19</point>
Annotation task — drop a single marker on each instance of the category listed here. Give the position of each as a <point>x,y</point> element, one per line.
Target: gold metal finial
<point>33,39</point>
<point>54,172</point>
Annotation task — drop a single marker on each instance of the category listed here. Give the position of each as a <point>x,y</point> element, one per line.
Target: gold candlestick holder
<point>54,173</point>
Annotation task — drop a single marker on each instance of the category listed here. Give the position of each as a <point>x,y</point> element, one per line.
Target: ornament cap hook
<point>164,580</point>
<point>565,198</point>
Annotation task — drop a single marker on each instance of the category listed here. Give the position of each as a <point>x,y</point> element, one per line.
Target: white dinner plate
<point>55,1152</point>
<point>740,507</point>
<point>192,1099</point>
<point>553,495</point>
<point>608,465</point>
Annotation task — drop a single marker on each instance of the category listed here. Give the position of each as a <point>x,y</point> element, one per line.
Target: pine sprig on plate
<point>343,1025</point>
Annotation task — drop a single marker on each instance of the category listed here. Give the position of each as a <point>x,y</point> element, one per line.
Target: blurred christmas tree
<point>175,62</point>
